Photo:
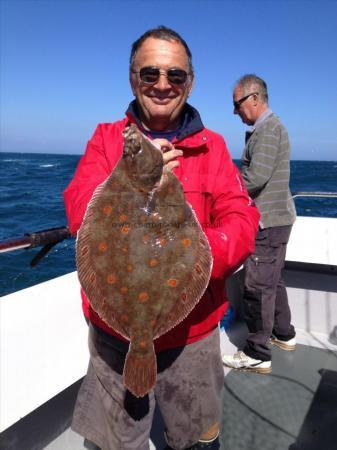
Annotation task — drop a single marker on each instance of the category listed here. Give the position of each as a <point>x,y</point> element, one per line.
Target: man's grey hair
<point>252,83</point>
<point>166,34</point>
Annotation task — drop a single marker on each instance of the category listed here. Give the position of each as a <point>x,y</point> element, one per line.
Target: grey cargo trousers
<point>266,308</point>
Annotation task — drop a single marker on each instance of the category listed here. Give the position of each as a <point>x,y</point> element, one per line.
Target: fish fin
<point>189,298</point>
<point>85,270</point>
<point>140,371</point>
<point>194,288</point>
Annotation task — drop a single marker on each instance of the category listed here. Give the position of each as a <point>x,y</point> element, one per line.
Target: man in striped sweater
<point>265,170</point>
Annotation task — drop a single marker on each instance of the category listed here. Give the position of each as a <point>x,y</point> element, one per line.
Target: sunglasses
<point>151,75</point>
<point>238,103</point>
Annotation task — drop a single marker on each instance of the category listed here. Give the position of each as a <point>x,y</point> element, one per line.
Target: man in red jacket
<point>190,372</point>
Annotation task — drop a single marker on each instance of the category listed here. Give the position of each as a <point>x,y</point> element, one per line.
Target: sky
<point>64,67</point>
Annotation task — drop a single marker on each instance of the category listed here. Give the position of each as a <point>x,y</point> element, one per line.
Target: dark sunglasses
<point>151,75</point>
<point>238,103</point>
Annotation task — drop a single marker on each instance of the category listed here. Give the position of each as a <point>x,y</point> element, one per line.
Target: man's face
<point>160,104</point>
<point>247,109</point>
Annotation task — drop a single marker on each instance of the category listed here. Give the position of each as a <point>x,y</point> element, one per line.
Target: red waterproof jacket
<point>214,188</point>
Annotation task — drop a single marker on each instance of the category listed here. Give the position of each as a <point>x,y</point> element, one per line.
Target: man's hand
<point>169,153</point>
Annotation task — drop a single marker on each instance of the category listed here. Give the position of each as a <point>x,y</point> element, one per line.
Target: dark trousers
<point>266,308</point>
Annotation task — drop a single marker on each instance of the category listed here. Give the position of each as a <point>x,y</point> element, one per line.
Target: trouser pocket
<point>259,273</point>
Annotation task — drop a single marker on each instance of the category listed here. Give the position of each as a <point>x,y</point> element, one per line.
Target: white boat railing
<point>315,194</point>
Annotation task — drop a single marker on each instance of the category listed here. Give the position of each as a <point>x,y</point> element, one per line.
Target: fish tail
<point>140,372</point>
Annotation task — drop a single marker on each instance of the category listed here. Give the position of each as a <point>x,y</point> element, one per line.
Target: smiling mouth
<point>161,100</point>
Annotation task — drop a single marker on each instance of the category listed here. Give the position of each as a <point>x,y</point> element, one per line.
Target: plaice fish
<point>142,258</point>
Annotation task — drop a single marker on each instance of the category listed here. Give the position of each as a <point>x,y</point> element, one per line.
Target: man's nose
<point>163,82</point>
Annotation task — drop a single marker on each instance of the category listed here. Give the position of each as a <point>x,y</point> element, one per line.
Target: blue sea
<point>31,200</point>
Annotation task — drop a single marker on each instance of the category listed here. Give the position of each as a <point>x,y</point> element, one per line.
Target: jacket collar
<point>257,124</point>
<point>191,122</point>
<point>262,118</point>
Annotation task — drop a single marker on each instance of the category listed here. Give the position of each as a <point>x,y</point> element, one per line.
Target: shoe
<point>242,361</point>
<point>288,345</point>
<point>206,445</point>
<point>213,444</point>
<point>202,445</point>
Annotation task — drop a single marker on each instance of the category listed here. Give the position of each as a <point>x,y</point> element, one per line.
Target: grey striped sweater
<point>266,170</point>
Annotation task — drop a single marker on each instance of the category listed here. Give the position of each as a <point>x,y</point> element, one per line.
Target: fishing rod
<point>45,238</point>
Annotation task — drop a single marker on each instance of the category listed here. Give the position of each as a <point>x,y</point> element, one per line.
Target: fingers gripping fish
<point>142,257</point>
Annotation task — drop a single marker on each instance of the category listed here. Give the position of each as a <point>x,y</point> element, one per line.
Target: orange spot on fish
<point>184,296</point>
<point>198,268</point>
<point>125,318</point>
<point>111,278</point>
<point>92,277</point>
<point>123,218</point>
<point>107,210</point>
<point>172,282</point>
<point>125,229</point>
<point>102,247</point>
<point>153,262</point>
<point>170,317</point>
<point>146,238</point>
<point>129,267</point>
<point>143,297</point>
<point>186,242</point>
<point>142,345</point>
<point>162,241</point>
<point>124,290</point>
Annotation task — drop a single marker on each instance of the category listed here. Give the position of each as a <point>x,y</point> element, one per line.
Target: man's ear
<point>255,99</point>
<point>190,88</point>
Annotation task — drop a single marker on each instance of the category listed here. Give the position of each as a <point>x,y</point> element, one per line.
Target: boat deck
<point>293,408</point>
